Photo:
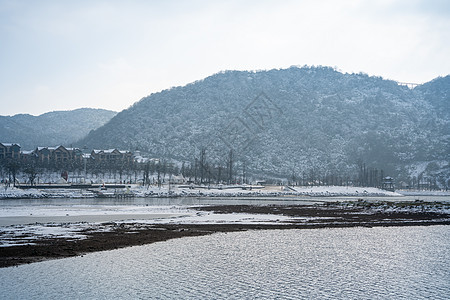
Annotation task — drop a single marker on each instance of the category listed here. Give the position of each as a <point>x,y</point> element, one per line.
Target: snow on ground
<point>198,191</point>
<point>287,190</point>
<point>27,234</point>
<point>424,193</point>
<point>211,217</point>
<point>132,213</point>
<point>87,210</point>
<point>24,224</point>
<point>92,218</point>
<point>16,193</point>
<point>343,191</point>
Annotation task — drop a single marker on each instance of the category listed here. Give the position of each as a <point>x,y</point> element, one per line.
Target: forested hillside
<point>53,128</point>
<point>292,122</point>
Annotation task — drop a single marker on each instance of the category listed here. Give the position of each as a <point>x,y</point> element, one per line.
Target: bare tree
<point>31,172</point>
<point>202,164</point>
<point>13,166</point>
<point>230,166</point>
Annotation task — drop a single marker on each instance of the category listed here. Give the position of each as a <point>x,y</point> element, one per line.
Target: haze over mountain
<point>52,128</point>
<point>293,120</point>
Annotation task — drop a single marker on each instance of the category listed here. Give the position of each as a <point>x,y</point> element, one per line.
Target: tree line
<point>200,170</point>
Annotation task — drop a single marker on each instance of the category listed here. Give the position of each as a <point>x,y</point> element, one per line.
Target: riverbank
<point>170,191</point>
<point>204,220</point>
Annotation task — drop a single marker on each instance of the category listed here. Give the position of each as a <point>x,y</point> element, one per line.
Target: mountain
<point>292,121</point>
<point>53,128</point>
<point>437,93</point>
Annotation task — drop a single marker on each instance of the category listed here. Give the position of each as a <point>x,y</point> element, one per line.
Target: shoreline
<point>127,234</point>
<point>136,191</point>
<point>231,192</point>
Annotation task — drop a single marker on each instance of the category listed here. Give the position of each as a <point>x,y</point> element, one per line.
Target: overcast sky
<point>62,55</point>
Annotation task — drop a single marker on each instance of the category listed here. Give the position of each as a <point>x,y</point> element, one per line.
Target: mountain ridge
<point>328,122</point>
<point>52,128</point>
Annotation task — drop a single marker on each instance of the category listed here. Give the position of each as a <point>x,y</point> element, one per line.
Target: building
<point>58,155</point>
<point>112,157</point>
<point>44,154</point>
<point>28,156</point>
<point>9,150</point>
<point>75,154</point>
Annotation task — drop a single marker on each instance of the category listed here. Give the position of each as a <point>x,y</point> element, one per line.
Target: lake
<point>347,263</point>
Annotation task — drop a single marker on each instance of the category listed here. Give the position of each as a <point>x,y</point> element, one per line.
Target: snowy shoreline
<point>198,191</point>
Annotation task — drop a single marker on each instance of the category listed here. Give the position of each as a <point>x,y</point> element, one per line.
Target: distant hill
<point>53,128</point>
<point>292,121</point>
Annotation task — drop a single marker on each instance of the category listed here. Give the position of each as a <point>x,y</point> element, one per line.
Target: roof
<point>141,159</point>
<point>48,148</point>
<point>10,144</point>
<point>27,152</point>
<point>109,151</point>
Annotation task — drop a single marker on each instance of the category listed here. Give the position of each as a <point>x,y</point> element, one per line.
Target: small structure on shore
<point>388,184</point>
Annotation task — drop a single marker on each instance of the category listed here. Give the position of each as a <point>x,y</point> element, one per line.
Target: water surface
<point>348,263</point>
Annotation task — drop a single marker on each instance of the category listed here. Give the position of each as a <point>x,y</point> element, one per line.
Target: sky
<point>63,55</point>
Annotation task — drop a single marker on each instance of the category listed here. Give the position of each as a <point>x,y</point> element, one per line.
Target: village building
<point>44,154</point>
<point>28,156</point>
<point>75,154</point>
<point>9,150</point>
<point>112,157</point>
<point>63,155</point>
<point>59,154</point>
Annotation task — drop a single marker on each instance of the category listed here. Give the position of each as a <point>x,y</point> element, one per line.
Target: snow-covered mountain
<point>53,128</point>
<point>295,120</point>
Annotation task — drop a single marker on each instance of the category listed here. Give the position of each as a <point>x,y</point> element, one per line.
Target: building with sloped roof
<point>9,150</point>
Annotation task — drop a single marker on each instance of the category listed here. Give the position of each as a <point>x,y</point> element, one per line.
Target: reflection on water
<point>350,263</point>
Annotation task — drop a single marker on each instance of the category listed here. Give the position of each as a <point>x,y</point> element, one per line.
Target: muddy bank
<point>356,213</point>
<point>124,235</point>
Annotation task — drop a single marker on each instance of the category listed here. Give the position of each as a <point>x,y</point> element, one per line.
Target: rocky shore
<point>329,215</point>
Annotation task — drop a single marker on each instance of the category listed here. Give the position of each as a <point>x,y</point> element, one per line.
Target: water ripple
<point>350,263</point>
